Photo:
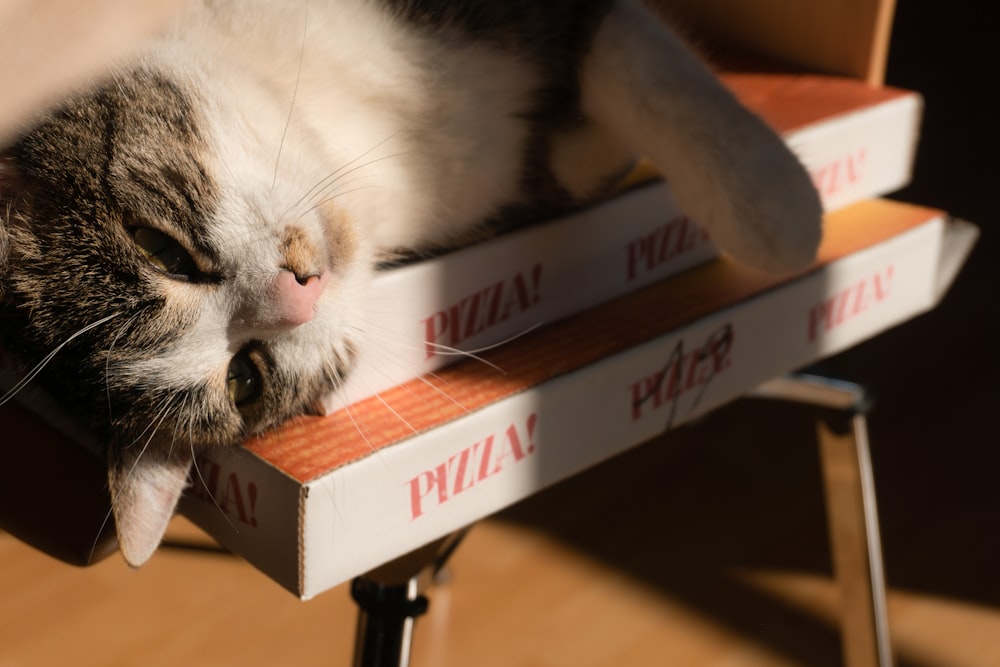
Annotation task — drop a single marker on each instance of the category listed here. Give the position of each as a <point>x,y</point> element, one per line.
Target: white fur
<point>424,126</point>
<point>584,156</point>
<point>384,121</point>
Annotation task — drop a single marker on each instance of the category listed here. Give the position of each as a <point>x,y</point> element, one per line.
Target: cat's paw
<point>762,206</point>
<point>729,171</point>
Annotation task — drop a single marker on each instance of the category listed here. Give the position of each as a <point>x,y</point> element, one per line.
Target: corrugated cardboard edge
<point>222,499</point>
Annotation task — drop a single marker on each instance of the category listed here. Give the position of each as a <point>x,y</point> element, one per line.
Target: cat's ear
<point>145,488</point>
<point>730,172</point>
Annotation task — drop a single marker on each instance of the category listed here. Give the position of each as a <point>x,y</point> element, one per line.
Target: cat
<point>194,233</point>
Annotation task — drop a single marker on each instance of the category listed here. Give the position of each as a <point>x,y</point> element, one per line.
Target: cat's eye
<point>243,381</point>
<point>164,253</point>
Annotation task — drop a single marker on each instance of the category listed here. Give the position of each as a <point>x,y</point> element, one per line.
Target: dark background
<point>936,434</point>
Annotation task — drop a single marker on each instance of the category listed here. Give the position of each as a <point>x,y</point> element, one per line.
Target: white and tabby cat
<point>216,207</point>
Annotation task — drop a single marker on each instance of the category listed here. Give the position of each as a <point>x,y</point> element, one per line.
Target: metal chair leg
<point>391,598</point>
<point>851,510</point>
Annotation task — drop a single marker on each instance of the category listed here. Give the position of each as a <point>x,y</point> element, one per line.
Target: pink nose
<point>294,299</point>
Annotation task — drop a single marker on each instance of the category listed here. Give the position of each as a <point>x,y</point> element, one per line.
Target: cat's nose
<point>294,297</point>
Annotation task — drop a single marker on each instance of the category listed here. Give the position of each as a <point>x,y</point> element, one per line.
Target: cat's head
<point>192,286</point>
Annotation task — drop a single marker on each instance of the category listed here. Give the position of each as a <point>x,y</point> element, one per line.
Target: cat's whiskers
<point>442,350</point>
<point>107,360</point>
<point>431,379</point>
<point>350,410</point>
<point>356,417</point>
<point>439,385</point>
<point>396,413</point>
<point>320,191</point>
<point>390,337</point>
<point>295,94</point>
<point>338,195</point>
<point>155,423</point>
<point>334,185</point>
<point>44,362</point>
<point>196,472</point>
<point>350,166</point>
<point>183,423</point>
<point>359,427</point>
